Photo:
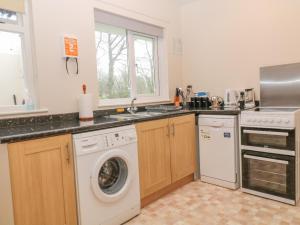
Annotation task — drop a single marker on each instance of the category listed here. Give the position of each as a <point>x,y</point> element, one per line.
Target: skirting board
<point>221,183</point>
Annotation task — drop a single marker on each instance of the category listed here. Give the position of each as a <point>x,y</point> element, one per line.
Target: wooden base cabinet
<point>166,154</point>
<point>43,184</point>
<point>154,156</point>
<point>183,146</point>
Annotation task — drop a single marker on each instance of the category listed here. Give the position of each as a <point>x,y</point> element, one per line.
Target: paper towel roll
<point>85,103</point>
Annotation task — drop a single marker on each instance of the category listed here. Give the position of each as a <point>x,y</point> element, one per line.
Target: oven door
<point>279,139</point>
<point>269,173</point>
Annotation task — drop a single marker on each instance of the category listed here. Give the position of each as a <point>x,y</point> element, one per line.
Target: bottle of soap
<point>177,98</point>
<point>29,104</point>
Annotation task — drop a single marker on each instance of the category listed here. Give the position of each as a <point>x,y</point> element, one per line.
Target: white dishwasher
<point>218,146</point>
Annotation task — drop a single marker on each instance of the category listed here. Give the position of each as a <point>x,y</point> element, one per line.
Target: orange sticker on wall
<point>71,47</point>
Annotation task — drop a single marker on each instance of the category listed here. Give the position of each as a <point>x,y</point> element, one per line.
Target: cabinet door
<point>154,156</point>
<point>183,146</point>
<point>43,186</point>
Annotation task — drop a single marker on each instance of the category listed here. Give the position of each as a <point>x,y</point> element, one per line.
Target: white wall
<point>58,91</point>
<point>225,42</point>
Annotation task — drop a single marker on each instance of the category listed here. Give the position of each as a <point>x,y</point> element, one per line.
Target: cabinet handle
<point>168,131</point>
<point>173,129</point>
<point>68,153</point>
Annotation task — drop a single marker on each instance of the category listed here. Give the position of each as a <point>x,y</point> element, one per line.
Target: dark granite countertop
<point>217,111</point>
<point>20,129</point>
<point>38,130</point>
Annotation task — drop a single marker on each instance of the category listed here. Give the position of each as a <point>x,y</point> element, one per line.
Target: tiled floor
<point>204,204</point>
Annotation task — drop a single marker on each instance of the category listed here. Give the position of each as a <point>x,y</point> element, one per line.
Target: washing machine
<point>106,165</point>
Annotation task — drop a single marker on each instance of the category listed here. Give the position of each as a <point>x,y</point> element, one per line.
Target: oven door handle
<point>286,134</point>
<point>269,150</point>
<point>266,159</point>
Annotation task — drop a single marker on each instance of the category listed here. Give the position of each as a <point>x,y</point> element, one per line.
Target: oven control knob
<point>265,120</point>
<point>279,121</point>
<point>254,120</point>
<point>286,121</point>
<point>248,120</point>
<point>271,121</point>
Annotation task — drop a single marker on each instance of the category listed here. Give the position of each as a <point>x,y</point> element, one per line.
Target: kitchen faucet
<point>132,109</point>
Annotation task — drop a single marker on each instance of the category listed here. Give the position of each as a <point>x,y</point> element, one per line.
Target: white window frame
<point>23,28</point>
<point>132,67</point>
<point>161,78</point>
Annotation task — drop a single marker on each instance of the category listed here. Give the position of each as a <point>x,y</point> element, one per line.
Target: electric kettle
<point>231,98</point>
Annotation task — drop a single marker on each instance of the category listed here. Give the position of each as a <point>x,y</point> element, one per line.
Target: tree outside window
<point>126,63</point>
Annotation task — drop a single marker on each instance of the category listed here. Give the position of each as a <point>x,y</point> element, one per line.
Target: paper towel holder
<point>85,105</point>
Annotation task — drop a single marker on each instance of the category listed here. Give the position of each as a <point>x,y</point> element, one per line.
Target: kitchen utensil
<point>249,98</point>
<point>216,101</point>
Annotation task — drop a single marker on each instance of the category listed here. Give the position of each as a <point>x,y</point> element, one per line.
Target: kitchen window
<point>16,82</point>
<point>127,54</point>
<point>146,69</point>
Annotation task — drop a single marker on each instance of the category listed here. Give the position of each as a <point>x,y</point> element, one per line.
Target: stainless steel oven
<point>269,144</point>
<point>268,163</point>
<point>269,175</point>
<point>280,141</point>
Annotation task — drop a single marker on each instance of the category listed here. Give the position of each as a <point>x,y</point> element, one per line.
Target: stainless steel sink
<point>136,115</point>
<point>148,114</point>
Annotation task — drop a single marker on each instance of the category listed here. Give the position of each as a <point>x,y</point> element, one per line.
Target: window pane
<point>12,81</point>
<point>112,62</point>
<point>8,16</point>
<point>144,49</point>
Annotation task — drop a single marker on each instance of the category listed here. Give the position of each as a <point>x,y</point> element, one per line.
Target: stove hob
<point>272,117</point>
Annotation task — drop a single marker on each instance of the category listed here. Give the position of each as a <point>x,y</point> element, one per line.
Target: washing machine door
<point>112,175</point>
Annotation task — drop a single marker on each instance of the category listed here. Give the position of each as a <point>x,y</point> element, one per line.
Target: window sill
<point>18,112</point>
<point>109,104</point>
